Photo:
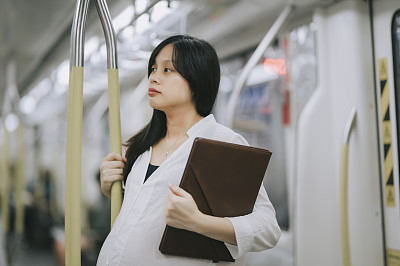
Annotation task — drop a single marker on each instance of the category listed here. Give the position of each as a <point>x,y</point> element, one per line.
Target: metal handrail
<point>344,219</point>
<point>266,41</point>
<point>78,34</point>
<point>74,124</point>
<point>113,100</point>
<point>349,126</point>
<point>109,34</point>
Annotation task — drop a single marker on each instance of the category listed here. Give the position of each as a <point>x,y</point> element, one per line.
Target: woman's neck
<point>180,122</point>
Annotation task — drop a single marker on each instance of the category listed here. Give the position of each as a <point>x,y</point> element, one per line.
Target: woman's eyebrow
<point>164,61</point>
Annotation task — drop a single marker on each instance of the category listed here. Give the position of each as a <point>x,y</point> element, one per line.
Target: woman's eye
<point>168,70</point>
<point>153,69</point>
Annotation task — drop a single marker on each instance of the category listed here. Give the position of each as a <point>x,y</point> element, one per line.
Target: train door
<point>337,207</point>
<point>386,30</point>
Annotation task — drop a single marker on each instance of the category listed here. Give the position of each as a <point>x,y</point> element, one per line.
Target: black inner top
<point>150,170</point>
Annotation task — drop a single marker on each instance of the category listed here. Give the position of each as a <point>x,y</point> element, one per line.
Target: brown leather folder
<point>224,180</point>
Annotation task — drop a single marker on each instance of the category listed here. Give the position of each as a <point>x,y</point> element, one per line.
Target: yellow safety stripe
<point>386,133</point>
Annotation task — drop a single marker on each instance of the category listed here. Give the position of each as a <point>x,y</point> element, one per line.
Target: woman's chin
<point>155,105</point>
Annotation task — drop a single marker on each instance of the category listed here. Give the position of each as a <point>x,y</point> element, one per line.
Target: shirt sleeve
<point>258,230</point>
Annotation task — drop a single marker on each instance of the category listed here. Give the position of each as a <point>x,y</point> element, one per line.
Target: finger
<point>170,196</point>
<point>178,191</point>
<point>113,156</point>
<point>113,165</point>
<point>110,172</point>
<point>173,199</point>
<point>112,178</point>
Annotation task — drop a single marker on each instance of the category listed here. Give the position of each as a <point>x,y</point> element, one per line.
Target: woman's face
<point>168,90</point>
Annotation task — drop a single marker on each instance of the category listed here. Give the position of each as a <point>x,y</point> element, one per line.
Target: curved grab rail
<point>266,41</point>
<point>113,100</point>
<point>78,33</point>
<point>74,124</point>
<point>344,219</point>
<point>109,34</point>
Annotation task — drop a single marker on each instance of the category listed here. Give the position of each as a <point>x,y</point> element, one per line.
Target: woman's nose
<point>154,78</point>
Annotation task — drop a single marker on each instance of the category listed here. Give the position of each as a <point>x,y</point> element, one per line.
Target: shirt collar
<point>196,128</point>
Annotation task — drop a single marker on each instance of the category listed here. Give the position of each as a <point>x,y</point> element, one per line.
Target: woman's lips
<point>153,92</point>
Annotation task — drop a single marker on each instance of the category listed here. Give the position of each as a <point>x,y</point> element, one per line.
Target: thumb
<point>178,191</point>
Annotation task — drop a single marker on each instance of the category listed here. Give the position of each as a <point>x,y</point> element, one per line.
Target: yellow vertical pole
<point>74,138</point>
<point>19,186</point>
<point>344,224</point>
<point>73,168</point>
<point>115,137</point>
<point>5,178</point>
<point>113,96</point>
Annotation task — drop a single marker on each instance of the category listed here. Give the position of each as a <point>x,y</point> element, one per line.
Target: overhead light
<point>103,50</point>
<point>95,58</point>
<point>27,104</point>
<point>128,32</point>
<point>133,65</point>
<point>62,75</point>
<point>158,12</point>
<point>302,34</point>
<point>12,122</point>
<point>143,55</point>
<point>161,10</point>
<point>123,19</point>
<point>90,46</point>
<point>41,89</point>
<point>140,5</point>
<point>142,23</point>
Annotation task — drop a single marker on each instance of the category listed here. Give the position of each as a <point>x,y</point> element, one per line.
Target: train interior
<point>317,82</point>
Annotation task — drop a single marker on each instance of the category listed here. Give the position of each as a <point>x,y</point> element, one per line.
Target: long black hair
<point>197,62</point>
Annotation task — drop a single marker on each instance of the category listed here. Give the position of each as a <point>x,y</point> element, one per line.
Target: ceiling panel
<point>37,32</point>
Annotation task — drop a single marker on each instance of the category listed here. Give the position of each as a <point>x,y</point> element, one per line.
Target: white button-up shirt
<point>137,231</point>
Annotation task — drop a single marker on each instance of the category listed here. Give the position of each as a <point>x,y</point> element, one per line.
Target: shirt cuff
<point>244,237</point>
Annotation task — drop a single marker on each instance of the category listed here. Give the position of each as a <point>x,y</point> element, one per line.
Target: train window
<point>258,119</point>
<point>396,68</point>
<point>265,105</point>
<point>302,67</point>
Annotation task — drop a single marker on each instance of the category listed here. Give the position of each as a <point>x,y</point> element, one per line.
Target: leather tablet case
<point>224,180</point>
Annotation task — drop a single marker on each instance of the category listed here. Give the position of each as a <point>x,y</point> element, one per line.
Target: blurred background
<point>323,96</point>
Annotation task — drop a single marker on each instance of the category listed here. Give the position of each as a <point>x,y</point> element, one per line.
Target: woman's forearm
<point>215,227</point>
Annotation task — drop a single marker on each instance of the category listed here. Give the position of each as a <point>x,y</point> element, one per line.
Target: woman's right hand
<point>111,169</point>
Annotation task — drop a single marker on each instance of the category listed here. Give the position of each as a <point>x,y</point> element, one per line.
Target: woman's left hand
<point>180,209</point>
